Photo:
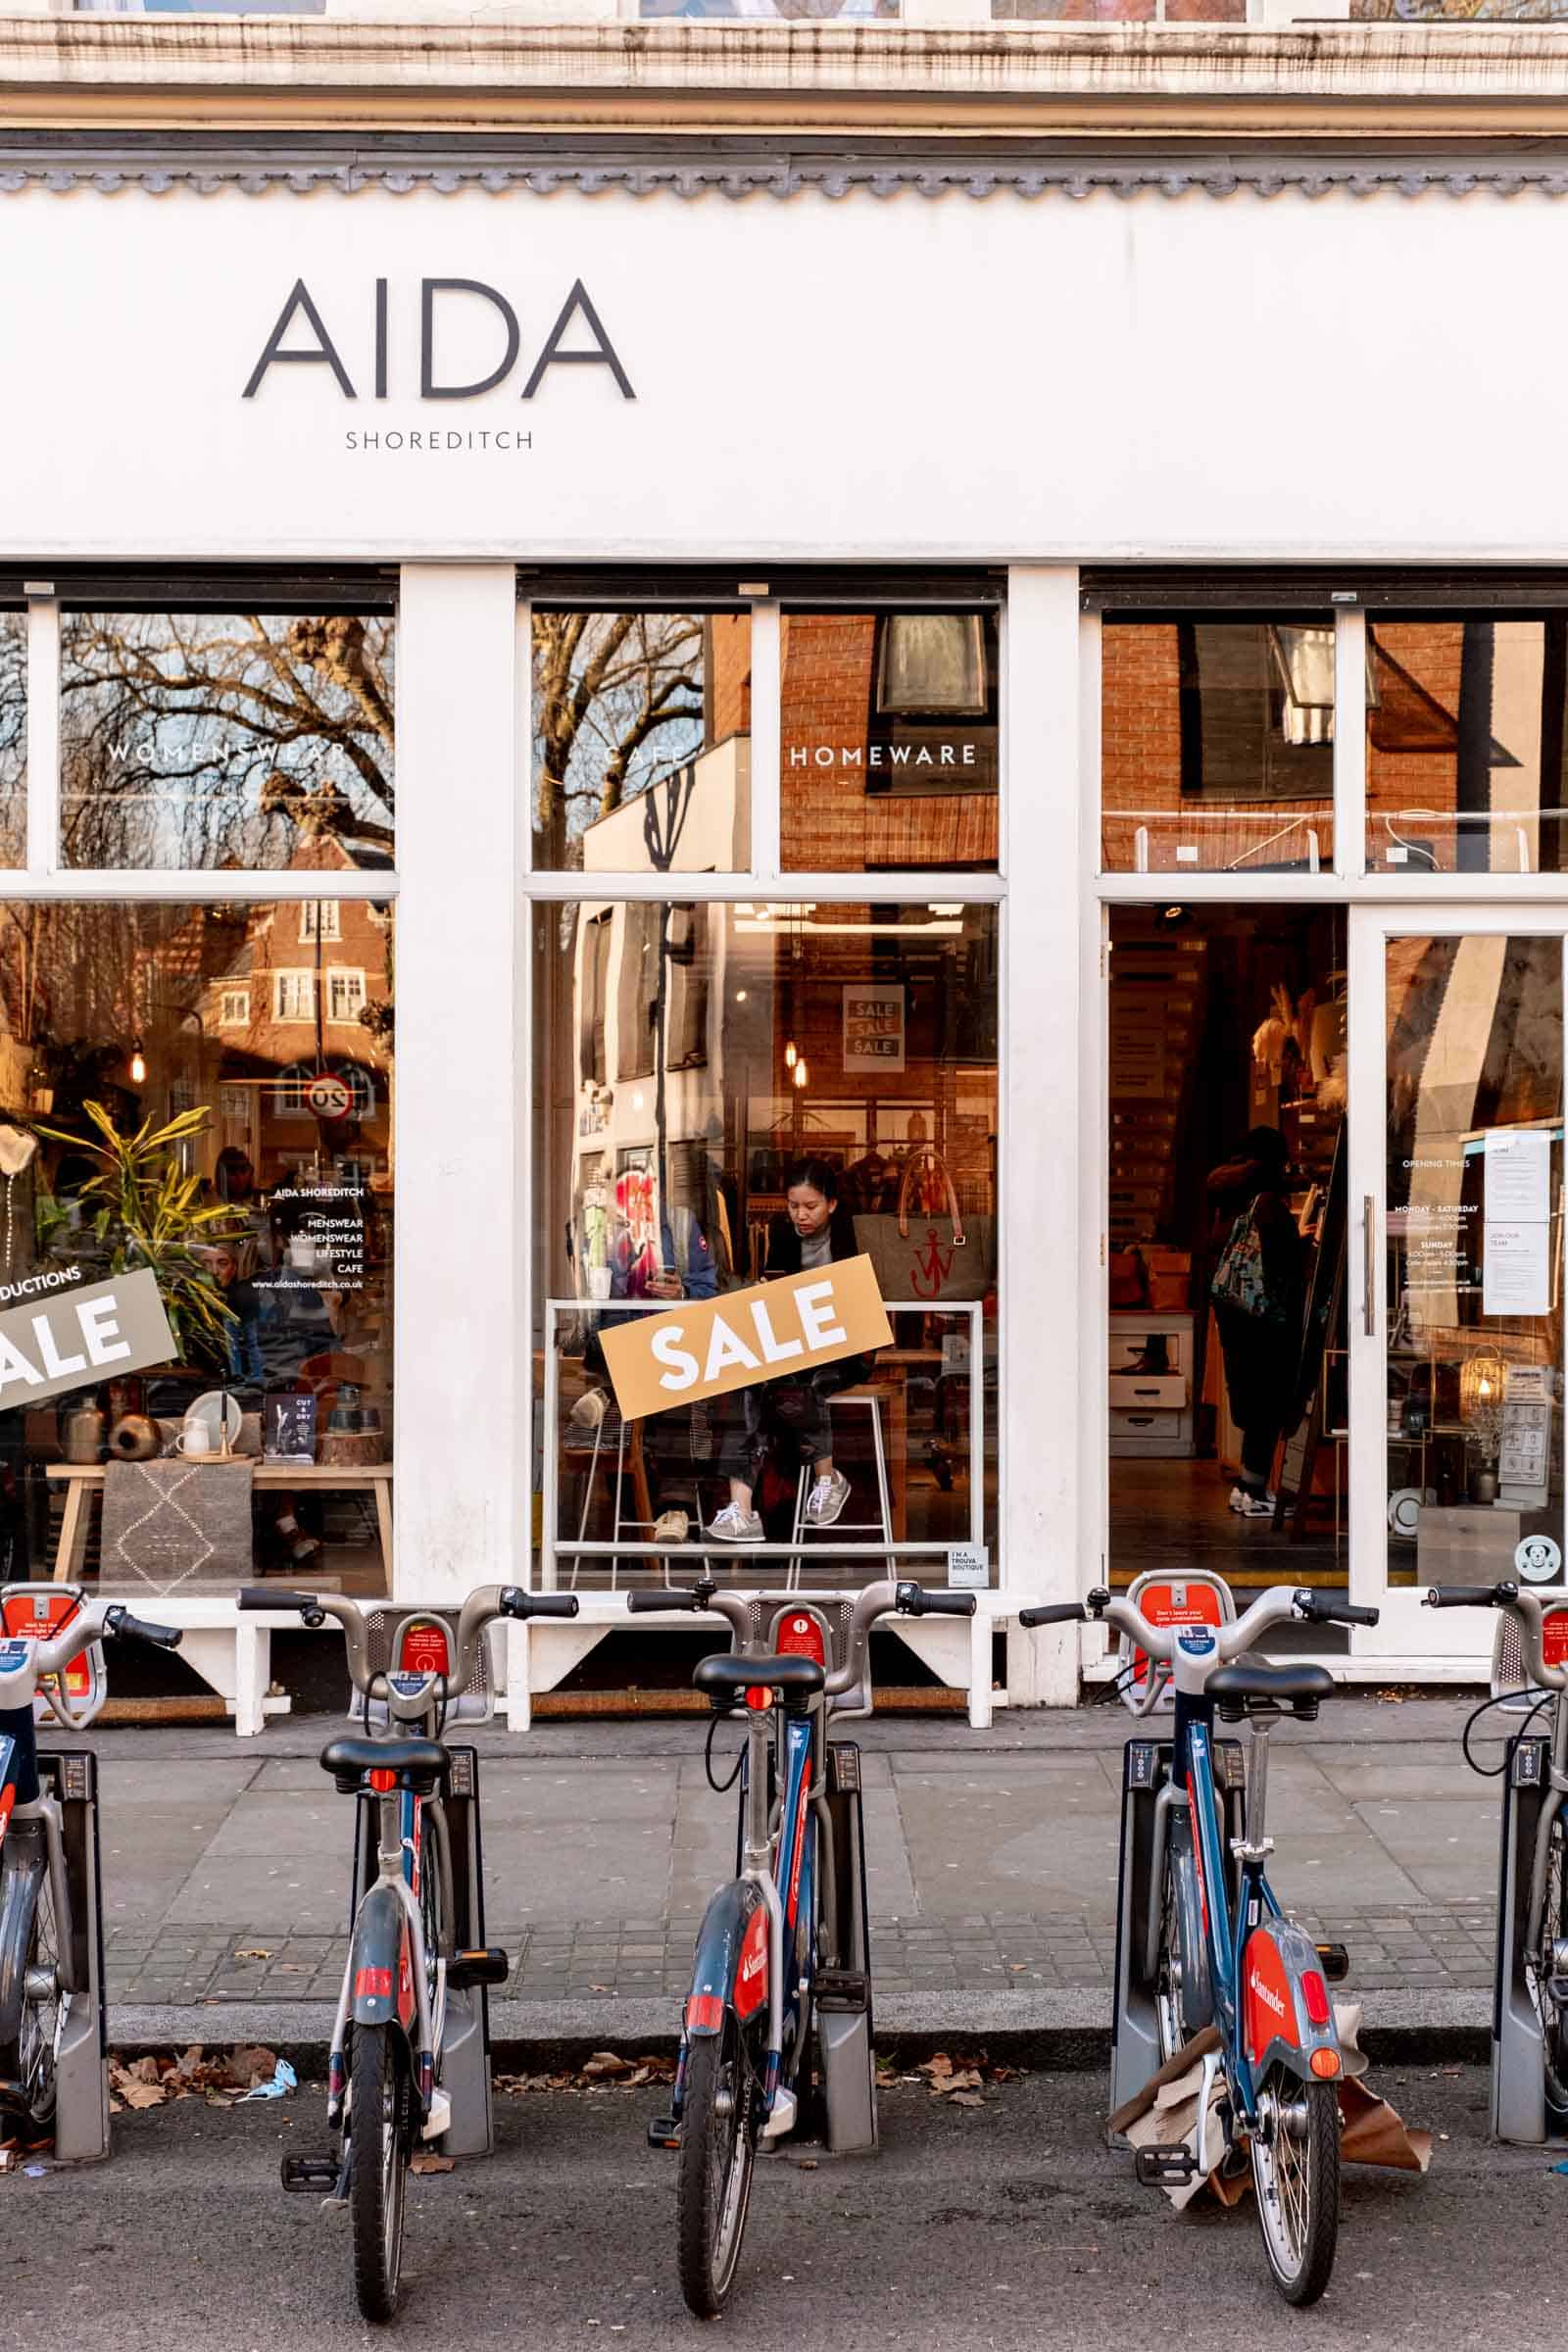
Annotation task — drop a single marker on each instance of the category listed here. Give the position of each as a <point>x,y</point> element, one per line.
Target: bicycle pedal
<point>842,1988</point>
<point>439,2119</point>
<point>780,2115</point>
<point>488,1965</point>
<point>311,2175</point>
<point>1157,2168</point>
<point>1335,1962</point>
<point>663,2133</point>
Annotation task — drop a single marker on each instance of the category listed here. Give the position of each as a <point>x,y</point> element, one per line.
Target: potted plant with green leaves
<point>144,1210</point>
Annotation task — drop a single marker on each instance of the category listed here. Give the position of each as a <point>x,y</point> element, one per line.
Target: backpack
<point>1238,1281</point>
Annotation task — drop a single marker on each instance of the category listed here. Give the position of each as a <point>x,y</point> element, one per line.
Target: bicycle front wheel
<point>718,2149</point>
<point>380,2135</point>
<point>31,1934</point>
<point>1295,2173</point>
<point>1543,1966</point>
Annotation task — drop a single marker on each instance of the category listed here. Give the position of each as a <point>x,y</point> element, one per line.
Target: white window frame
<point>1346,881</point>
<point>234,996</point>
<point>321,920</point>
<point>1038,700</point>
<point>336,975</point>
<point>293,983</point>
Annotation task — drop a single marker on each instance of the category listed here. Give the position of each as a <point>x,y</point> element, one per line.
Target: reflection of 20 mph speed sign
<point>328,1097</point>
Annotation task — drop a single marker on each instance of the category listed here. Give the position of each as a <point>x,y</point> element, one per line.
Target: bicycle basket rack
<point>382,1631</point>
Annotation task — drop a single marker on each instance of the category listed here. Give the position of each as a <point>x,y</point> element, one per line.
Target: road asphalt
<point>1001,2227</point>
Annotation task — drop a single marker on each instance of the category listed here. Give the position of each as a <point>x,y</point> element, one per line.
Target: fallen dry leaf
<point>426,2162</point>
<point>965,2098</point>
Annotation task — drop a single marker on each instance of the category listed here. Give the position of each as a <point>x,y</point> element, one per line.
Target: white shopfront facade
<point>1046,386</point>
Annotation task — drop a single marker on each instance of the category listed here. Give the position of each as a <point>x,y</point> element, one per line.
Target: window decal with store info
<point>774,1331</point>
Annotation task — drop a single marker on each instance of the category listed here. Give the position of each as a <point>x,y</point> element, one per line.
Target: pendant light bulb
<point>138,1064</point>
<point>800,1074</point>
<point>790,1055</point>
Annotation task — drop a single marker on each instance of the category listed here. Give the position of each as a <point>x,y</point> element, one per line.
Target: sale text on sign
<point>82,1337</point>
<point>774,1331</point>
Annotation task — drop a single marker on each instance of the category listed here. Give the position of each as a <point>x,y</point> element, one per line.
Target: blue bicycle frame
<point>1226,1929</point>
<point>1268,1993</point>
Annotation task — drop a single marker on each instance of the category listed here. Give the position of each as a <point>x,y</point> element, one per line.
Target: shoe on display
<point>590,1409</point>
<point>733,1525</point>
<point>825,1503</point>
<point>1252,1506</point>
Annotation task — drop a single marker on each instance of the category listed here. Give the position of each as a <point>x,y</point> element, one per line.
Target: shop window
<point>1465,729</point>
<point>226,739</point>
<point>1217,746</point>
<point>208,8</point>
<point>641,741</point>
<point>320,918</point>
<point>863,1038</point>
<point>13,739</point>
<point>276,1269</point>
<point>888,740</point>
<point>791,10</point>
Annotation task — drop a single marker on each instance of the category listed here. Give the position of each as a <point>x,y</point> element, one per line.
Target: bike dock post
<point>844,1993</point>
<point>81,2065</point>
<point>465,2046</point>
<point>1147,1798</point>
<point>1520,2110</point>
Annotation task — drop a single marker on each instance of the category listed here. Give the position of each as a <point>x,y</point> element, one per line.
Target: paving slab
<point>991,1858</point>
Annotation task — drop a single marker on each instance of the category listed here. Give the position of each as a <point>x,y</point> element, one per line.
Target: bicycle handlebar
<point>102,1621</point>
<point>119,1623</point>
<point>483,1607</point>
<point>884,1599</point>
<point>1277,1606</point>
<point>1529,1611</point>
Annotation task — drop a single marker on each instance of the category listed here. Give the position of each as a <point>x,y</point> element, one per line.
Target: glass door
<point>1457,1282</point>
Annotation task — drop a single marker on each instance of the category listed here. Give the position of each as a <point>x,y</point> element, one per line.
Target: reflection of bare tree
<point>202,739</point>
<point>609,688</point>
<point>12,738</point>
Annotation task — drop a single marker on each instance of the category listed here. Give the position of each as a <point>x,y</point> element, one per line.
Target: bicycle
<point>785,1947</point>
<point>1220,1952</point>
<point>44,1630</point>
<point>385,2089</point>
<point>1531,1959</point>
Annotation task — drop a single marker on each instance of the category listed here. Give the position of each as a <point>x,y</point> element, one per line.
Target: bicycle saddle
<point>417,1762</point>
<point>1287,1685</point>
<point>725,1677</point>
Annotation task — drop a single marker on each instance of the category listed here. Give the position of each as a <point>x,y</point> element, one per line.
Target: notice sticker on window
<point>969,1566</point>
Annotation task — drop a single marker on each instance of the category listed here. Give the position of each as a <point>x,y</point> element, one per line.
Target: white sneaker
<point>736,1526</point>
<point>825,1503</point>
<point>1252,1506</point>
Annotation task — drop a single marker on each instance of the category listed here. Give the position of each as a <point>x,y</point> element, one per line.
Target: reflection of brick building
<point>241,1011</point>
<point>844,803</point>
<point>1464,718</point>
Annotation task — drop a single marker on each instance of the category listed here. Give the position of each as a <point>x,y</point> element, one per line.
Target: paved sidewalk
<point>993,1857</point>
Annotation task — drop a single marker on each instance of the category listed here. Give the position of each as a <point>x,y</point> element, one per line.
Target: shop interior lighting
<point>936,928</point>
<point>138,1064</point>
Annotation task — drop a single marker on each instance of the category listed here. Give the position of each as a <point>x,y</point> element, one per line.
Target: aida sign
<point>472,338</point>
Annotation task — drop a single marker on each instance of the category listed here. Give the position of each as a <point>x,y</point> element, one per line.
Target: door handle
<point>1369,1266</point>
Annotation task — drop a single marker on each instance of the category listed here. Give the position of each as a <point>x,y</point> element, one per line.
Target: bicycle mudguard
<point>731,1965</point>
<point>1287,2013</point>
<point>380,1964</point>
<point>23,1863</point>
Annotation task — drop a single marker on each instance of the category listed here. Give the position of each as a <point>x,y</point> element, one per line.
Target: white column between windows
<point>1041,1275</point>
<point>43,735</point>
<point>462,1333</point>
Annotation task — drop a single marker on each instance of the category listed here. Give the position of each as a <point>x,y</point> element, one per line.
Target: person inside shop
<point>813,1228</point>
<point>1257,1293</point>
